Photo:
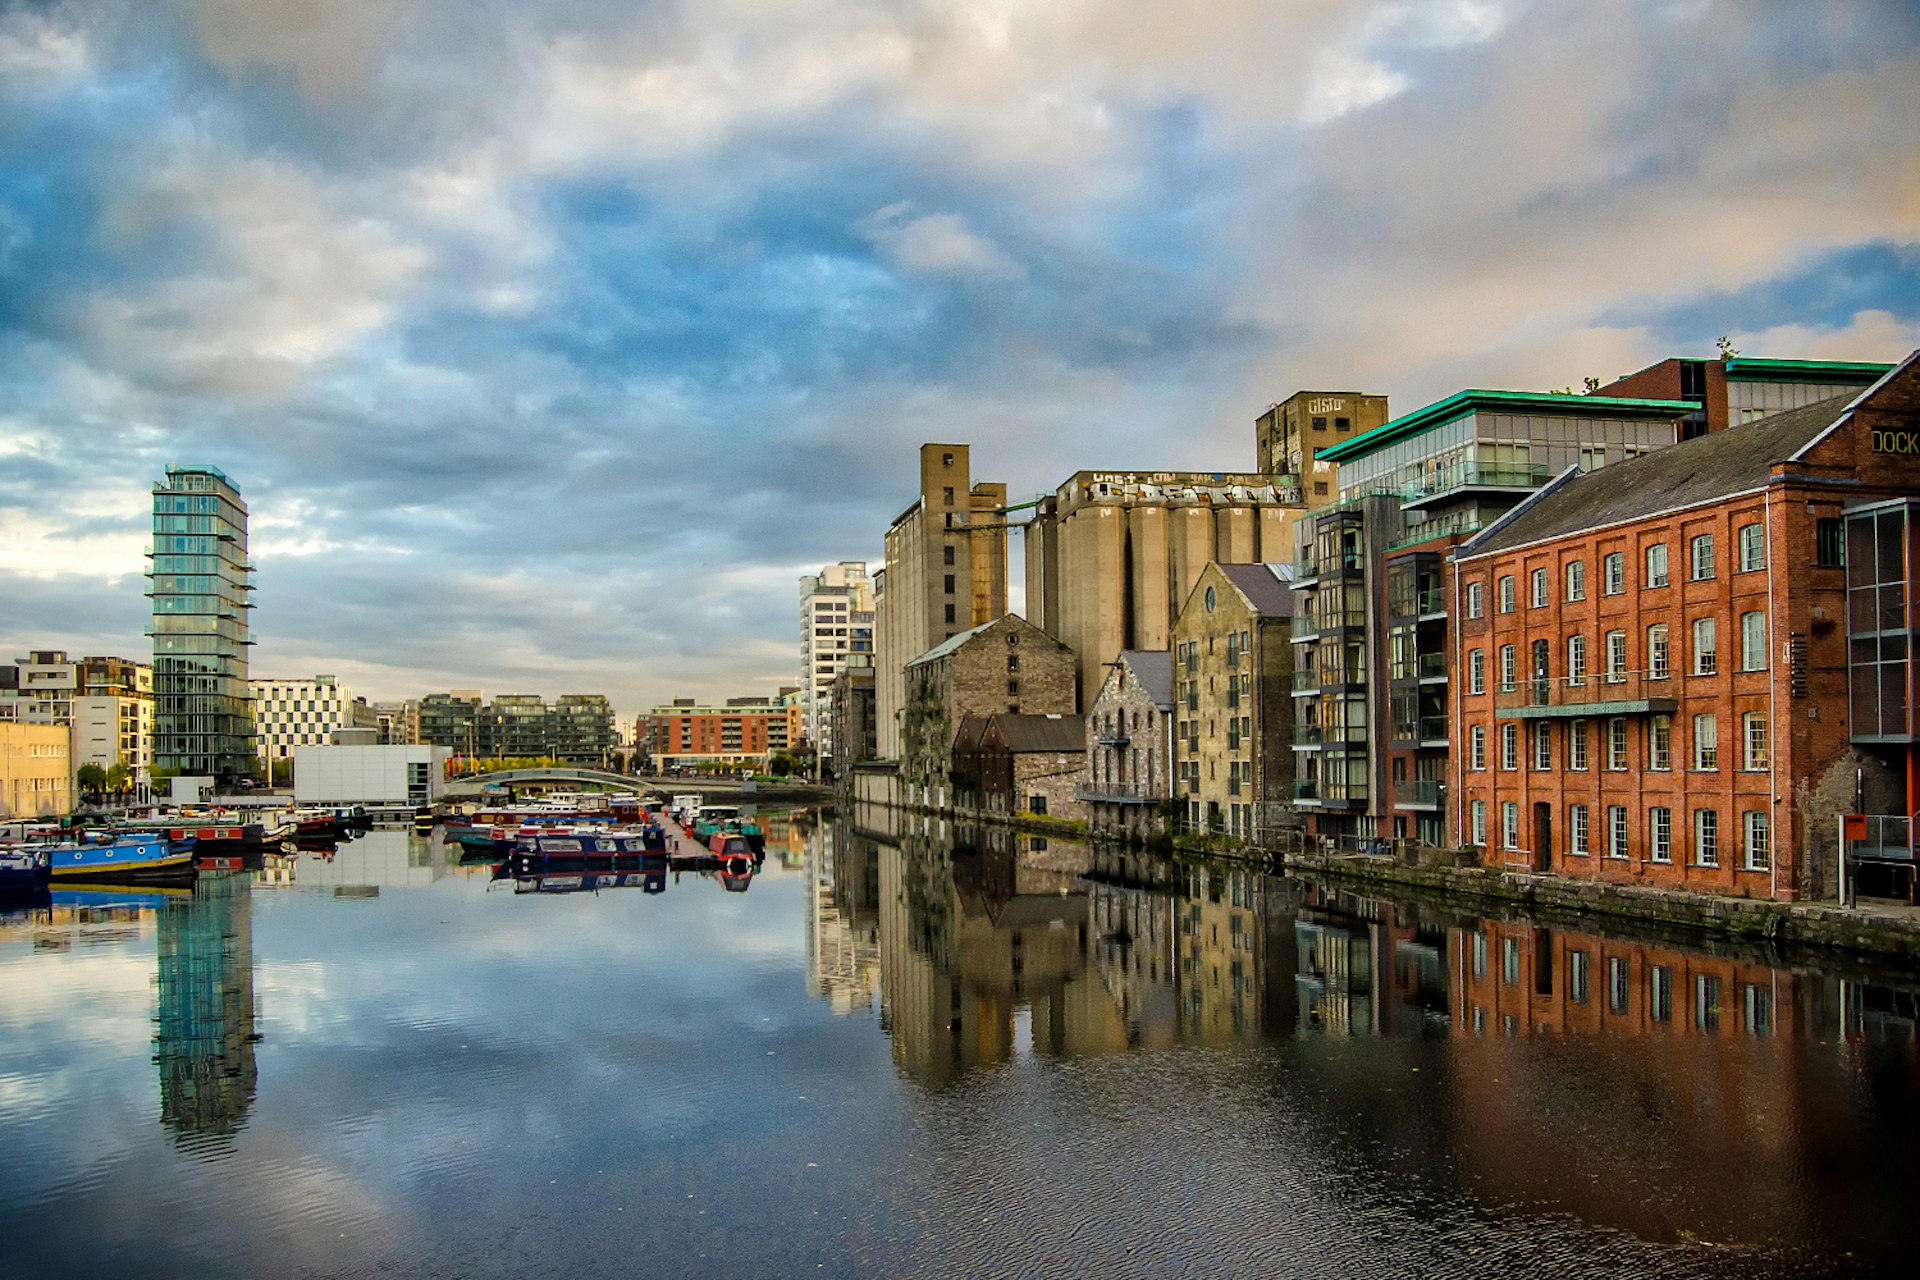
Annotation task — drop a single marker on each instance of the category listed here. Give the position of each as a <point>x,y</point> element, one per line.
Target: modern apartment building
<point>1372,622</point>
<point>40,688</point>
<point>945,572</point>
<point>398,722</point>
<point>1680,671</point>
<point>1233,701</point>
<point>1290,436</point>
<point>201,585</point>
<point>836,633</point>
<point>304,711</point>
<point>452,720</point>
<point>1742,388</point>
<point>578,728</point>
<point>741,734</point>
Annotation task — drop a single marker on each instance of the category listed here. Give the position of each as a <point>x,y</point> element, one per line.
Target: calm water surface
<point>923,1054</point>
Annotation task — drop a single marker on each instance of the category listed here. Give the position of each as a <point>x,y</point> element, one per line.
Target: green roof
<point>1754,369</point>
<point>1473,400</point>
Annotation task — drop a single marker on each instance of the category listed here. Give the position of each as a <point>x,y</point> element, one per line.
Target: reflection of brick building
<point>1656,687</point>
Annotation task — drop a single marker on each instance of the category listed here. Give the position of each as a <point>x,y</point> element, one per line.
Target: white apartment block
<point>303,713</point>
<point>41,689</point>
<point>836,631</point>
<point>109,729</point>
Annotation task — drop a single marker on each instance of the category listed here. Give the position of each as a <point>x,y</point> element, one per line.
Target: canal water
<point>935,1052</point>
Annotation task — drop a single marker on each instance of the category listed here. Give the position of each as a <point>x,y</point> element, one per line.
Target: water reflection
<point>204,1025</point>
<point>1677,1091</point>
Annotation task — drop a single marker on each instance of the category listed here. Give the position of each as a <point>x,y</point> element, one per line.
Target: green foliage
<point>119,779</point>
<point>782,764</point>
<point>92,778</point>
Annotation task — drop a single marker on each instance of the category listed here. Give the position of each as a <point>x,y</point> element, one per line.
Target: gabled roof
<point>1041,733</point>
<point>951,643</point>
<point>1735,460</point>
<point>1264,585</point>
<point>1153,668</point>
<point>1472,400</point>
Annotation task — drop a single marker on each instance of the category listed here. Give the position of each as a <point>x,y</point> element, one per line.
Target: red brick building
<point>1656,687</point>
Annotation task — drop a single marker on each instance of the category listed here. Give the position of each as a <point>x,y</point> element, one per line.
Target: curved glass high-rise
<point>200,583</point>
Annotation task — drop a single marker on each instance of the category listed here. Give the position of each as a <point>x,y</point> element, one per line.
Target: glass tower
<point>201,588</point>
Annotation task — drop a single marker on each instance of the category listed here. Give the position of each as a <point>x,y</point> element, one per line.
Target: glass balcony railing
<point>1621,693</point>
<point>1474,475</point>
<point>1417,793</point>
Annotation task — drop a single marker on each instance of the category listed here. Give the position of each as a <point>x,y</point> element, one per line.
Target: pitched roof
<point>952,642</point>
<point>1264,586</point>
<point>1153,668</point>
<point>1042,733</point>
<point>1734,460</point>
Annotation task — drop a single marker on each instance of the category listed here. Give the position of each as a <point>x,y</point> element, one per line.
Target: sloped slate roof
<point>1153,668</point>
<point>1263,585</point>
<point>1723,463</point>
<point>1042,733</point>
<point>951,643</point>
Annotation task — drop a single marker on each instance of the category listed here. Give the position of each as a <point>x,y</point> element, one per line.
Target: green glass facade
<point>200,583</point>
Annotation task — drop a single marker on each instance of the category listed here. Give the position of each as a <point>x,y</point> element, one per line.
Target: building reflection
<point>843,920</point>
<point>205,1020</point>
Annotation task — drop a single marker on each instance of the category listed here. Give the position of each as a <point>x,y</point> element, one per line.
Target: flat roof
<point>1475,399</point>
<point>1759,369</point>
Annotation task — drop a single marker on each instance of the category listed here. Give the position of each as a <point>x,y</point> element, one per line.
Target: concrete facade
<point>1290,435</point>
<point>1007,665</point>
<point>412,775</point>
<point>945,572</point>
<point>1111,556</point>
<point>1233,702</point>
<point>836,632</point>
<point>36,770</point>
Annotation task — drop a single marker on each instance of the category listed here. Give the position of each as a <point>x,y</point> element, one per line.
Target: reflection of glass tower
<point>201,591</point>
<point>203,1040</point>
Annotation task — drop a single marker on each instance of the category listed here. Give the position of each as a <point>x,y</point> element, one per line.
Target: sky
<point>551,342</point>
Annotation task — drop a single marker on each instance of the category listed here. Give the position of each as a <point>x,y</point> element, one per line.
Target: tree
<point>119,779</point>
<point>1726,348</point>
<point>92,779</point>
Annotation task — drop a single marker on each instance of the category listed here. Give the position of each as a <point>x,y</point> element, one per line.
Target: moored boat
<point>24,869</point>
<point>127,857</point>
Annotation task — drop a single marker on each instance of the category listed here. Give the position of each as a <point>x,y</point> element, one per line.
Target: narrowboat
<point>126,857</point>
<point>26,869</point>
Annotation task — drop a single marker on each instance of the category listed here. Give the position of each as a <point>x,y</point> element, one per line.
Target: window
<point>1613,573</point>
<point>946,553</point>
<point>1753,641</point>
<point>1753,740</point>
<point>1829,549</point>
<point>1759,839</point>
<point>946,495</point>
<point>1577,830</point>
<point>1577,745</point>
<point>1476,599</point>
<point>1509,824</point>
<point>1657,565</point>
<point>1616,656</point>
<point>1660,743</point>
<point>1576,579</point>
<point>949,578</point>
<point>1578,977</point>
<point>1660,993</point>
<point>1506,593</point>
<point>1506,668</point>
<point>1700,557</point>
<point>1756,1006</point>
<point>1657,652</point>
<point>1706,838</point>
<point>1618,986</point>
<point>1576,659</point>
<point>1477,822</point>
<point>1476,671</point>
<point>1753,548</point>
<point>1593,457</point>
<point>1706,742</point>
<point>949,614</point>
<point>1509,746</point>
<point>1706,659</point>
<point>1617,743</point>
<point>1542,745</point>
<point>1540,588</point>
<point>1477,747</point>
<point>1616,831</point>
<point>1660,834</point>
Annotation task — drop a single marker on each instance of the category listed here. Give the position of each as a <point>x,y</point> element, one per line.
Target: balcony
<point>1627,694</point>
<point>1311,567</point>
<point>1304,628</point>
<point>1419,793</point>
<point>1306,791</point>
<point>1428,731</point>
<point>1431,603</point>
<point>1433,667</point>
<point>1117,793</point>
<point>1306,681</point>
<point>1114,739</point>
<point>1306,735</point>
<point>1472,475</point>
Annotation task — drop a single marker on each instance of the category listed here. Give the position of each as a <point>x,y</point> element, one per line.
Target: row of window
<point>1704,660</point>
<point>1657,744</point>
<point>1657,838</point>
<point>1750,557</point>
<point>1756,1002</point>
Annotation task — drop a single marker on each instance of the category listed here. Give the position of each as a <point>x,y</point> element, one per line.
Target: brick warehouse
<point>1657,689</point>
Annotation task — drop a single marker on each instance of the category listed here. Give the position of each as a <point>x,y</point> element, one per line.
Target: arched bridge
<point>556,775</point>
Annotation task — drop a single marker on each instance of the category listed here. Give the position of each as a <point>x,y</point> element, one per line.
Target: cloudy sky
<point>550,342</point>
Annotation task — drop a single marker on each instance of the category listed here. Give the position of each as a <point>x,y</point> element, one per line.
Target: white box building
<point>413,775</point>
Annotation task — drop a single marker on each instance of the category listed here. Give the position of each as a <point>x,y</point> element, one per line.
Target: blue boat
<point>24,870</point>
<point>127,857</point>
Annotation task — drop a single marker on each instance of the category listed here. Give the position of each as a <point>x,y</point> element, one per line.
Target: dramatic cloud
<point>550,342</point>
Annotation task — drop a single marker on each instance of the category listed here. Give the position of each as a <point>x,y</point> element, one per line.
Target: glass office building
<point>200,583</point>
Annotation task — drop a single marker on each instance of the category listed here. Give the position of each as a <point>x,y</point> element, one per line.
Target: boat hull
<point>151,860</point>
